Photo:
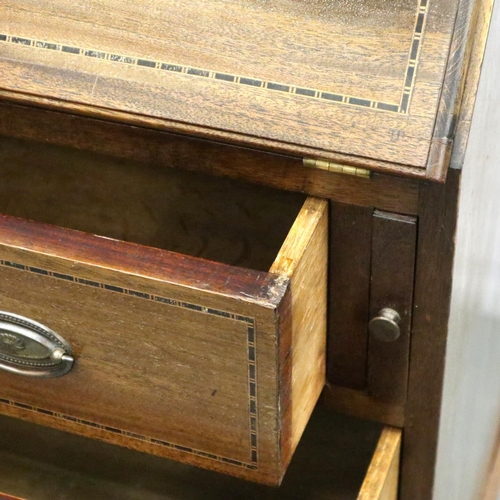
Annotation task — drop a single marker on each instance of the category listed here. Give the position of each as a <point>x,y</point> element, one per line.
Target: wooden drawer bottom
<point>339,458</point>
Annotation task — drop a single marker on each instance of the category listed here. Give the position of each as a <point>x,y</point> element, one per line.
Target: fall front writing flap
<point>354,81</point>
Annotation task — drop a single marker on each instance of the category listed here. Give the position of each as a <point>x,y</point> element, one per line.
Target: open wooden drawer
<point>215,361</point>
<point>339,458</point>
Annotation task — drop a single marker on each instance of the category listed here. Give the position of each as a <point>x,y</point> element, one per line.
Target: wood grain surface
<point>303,258</point>
<point>168,150</point>
<point>279,74</point>
<point>349,278</point>
<point>168,346</point>
<point>481,16</point>
<point>172,365</point>
<point>465,36</point>
<point>331,463</point>
<point>382,479</point>
<point>394,239</point>
<point>218,219</point>
<point>433,278</point>
<point>372,262</point>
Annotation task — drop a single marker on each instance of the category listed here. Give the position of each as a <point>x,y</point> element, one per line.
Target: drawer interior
<point>335,460</point>
<point>208,363</point>
<point>223,220</point>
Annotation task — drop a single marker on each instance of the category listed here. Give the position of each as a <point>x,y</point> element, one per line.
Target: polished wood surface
<point>303,258</point>
<point>435,250</point>
<point>349,298</point>
<point>337,459</point>
<point>363,78</point>
<point>143,203</point>
<point>168,150</point>
<point>371,269</point>
<point>476,49</point>
<point>237,350</point>
<point>391,285</point>
<point>429,414</point>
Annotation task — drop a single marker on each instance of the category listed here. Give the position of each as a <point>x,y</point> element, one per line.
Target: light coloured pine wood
<point>303,258</point>
<point>381,481</point>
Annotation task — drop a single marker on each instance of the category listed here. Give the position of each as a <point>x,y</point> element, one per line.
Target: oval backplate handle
<point>31,349</point>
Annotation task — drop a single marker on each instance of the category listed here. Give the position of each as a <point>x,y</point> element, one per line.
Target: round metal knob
<point>385,326</point>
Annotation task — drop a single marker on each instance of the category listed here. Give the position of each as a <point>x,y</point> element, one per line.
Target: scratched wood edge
<point>132,259</point>
<point>456,77</point>
<point>215,135</point>
<point>361,405</point>
<point>302,344</point>
<point>393,194</point>
<point>479,37</point>
<point>295,245</point>
<point>381,481</point>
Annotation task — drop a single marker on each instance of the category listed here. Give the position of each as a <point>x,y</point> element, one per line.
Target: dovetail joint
<point>337,168</point>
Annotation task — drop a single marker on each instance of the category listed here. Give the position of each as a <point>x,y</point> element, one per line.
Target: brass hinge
<point>337,168</point>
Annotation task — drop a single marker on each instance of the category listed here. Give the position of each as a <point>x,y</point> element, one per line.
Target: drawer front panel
<point>143,355</point>
<point>180,373</point>
<point>181,357</point>
<point>161,367</point>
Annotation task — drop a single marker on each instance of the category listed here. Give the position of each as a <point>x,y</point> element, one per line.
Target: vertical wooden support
<point>349,279</point>
<point>435,250</point>
<point>392,274</point>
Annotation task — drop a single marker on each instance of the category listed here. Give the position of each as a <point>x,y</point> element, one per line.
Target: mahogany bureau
<point>238,246</point>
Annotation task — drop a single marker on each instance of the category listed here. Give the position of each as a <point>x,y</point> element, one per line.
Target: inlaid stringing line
<point>128,434</point>
<point>251,357</point>
<point>324,96</point>
<point>414,56</point>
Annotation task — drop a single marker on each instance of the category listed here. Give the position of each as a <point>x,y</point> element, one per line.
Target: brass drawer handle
<point>31,349</point>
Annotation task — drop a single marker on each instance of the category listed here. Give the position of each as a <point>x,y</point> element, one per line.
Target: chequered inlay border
<point>252,368</point>
<point>325,96</point>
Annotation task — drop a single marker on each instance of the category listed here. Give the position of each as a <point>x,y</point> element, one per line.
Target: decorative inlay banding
<point>327,97</point>
<point>249,322</point>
